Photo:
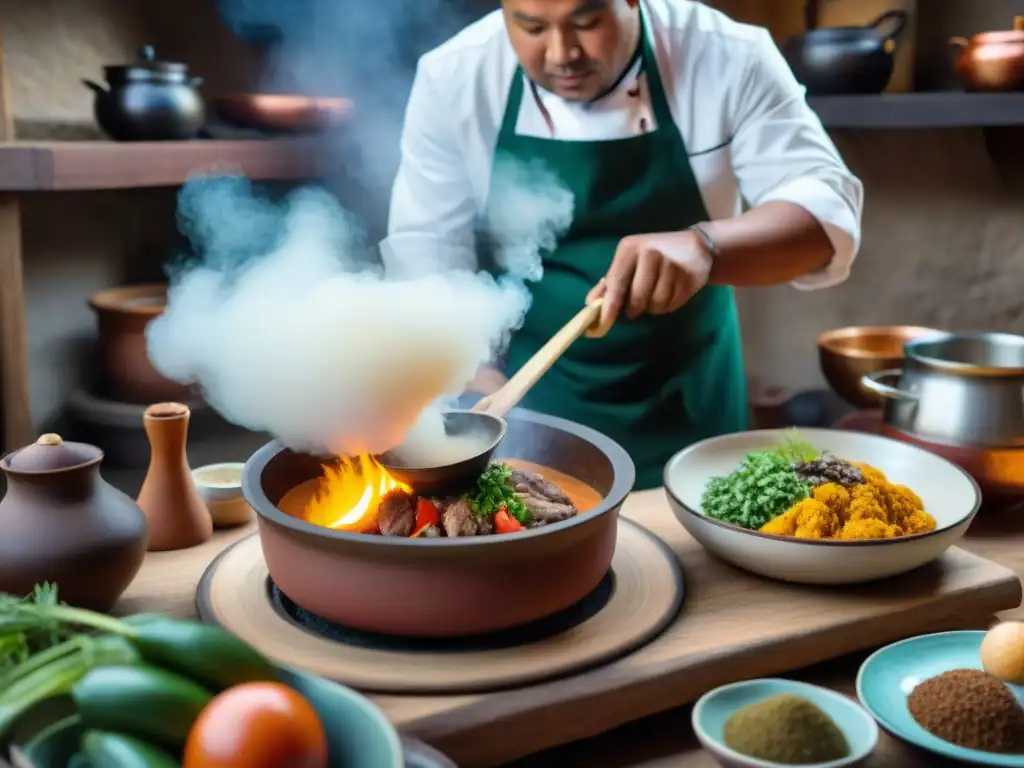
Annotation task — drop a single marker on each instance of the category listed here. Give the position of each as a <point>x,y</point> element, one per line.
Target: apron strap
<point>655,86</point>
<point>515,101</point>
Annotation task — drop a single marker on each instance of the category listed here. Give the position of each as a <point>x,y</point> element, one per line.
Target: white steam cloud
<point>289,328</point>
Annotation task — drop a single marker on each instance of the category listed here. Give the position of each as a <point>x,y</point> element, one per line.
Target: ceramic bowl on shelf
<point>949,494</point>
<point>847,354</point>
<point>220,485</point>
<point>713,710</point>
<point>890,674</point>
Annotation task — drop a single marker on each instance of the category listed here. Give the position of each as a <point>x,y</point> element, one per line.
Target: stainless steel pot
<point>961,395</point>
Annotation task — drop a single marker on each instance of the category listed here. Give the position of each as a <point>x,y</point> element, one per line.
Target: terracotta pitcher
<point>62,522</point>
<point>178,518</point>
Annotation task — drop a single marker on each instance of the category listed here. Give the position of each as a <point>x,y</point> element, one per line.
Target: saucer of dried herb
<point>933,692</point>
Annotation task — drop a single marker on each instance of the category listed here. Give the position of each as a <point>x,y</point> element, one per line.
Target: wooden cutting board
<point>733,626</point>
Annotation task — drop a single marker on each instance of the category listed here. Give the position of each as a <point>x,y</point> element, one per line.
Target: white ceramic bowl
<point>949,494</point>
<point>220,485</point>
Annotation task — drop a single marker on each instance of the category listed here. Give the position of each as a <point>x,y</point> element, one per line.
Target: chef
<point>695,165</point>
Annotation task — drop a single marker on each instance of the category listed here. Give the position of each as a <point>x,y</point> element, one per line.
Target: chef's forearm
<point>771,244</point>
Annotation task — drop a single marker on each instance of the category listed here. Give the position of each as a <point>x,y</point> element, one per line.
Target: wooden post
<point>15,410</point>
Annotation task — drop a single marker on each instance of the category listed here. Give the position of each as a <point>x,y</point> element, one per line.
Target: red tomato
<point>505,523</point>
<point>426,513</point>
<point>257,725</point>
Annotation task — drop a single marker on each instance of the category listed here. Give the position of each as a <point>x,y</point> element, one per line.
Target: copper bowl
<point>281,112</point>
<point>416,587</point>
<point>846,354</point>
<point>992,61</point>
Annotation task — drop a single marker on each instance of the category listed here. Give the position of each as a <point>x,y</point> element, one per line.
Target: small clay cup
<point>61,522</point>
<point>178,517</point>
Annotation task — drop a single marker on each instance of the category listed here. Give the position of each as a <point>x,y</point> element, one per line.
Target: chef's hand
<point>652,274</point>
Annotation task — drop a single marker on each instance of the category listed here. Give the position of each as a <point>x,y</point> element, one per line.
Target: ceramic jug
<point>62,522</point>
<point>178,517</point>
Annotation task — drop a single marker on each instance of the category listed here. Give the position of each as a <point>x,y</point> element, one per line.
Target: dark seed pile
<point>970,708</point>
<point>829,469</point>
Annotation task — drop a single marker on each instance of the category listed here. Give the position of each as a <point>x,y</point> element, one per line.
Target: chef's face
<point>574,48</point>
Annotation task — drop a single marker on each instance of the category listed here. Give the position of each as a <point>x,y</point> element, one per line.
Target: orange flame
<point>348,494</point>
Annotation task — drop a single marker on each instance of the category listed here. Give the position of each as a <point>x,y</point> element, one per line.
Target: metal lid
<point>147,61</point>
<point>51,454</point>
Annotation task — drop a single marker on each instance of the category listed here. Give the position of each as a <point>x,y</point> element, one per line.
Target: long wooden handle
<point>506,398</point>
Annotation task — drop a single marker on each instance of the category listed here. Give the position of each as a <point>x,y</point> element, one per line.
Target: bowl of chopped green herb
<point>820,506</point>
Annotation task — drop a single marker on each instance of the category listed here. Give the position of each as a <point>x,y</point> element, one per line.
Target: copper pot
<point>122,315</point>
<point>281,112</point>
<point>992,61</point>
<point>446,587</point>
<point>62,522</point>
<point>846,355</point>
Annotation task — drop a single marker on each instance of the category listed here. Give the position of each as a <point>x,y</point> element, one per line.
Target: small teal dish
<point>713,709</point>
<point>887,677</point>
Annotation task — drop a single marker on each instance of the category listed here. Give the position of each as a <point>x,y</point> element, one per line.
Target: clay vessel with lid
<point>62,522</point>
<point>178,517</point>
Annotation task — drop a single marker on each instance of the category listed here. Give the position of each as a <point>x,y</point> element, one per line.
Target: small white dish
<point>220,485</point>
<point>714,709</point>
<point>949,494</point>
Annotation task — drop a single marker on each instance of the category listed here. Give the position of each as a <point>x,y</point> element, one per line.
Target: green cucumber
<point>204,652</point>
<point>116,750</point>
<point>141,701</point>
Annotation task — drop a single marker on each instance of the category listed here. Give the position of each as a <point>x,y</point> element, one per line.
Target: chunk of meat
<point>533,484</point>
<point>546,502</point>
<point>484,526</point>
<point>545,511</point>
<point>458,520</point>
<point>396,513</point>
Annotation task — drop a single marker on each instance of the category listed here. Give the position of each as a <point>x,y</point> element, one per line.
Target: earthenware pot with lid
<point>992,61</point>
<point>62,522</point>
<point>149,100</point>
<point>960,395</point>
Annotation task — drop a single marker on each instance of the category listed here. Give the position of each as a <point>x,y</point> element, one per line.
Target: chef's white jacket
<point>742,114</point>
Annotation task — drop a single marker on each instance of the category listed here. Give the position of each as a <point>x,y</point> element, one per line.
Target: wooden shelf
<point>77,165</point>
<point>920,110</point>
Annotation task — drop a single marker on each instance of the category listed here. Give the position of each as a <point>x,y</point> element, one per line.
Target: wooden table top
<point>662,740</point>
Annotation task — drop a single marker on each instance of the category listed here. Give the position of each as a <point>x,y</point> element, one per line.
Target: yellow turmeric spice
<point>875,509</point>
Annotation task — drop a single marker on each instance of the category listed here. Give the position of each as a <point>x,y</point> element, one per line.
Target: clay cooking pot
<point>62,522</point>
<point>992,61</point>
<point>447,587</point>
<point>122,315</point>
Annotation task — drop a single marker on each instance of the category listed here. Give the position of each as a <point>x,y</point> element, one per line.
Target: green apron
<point>657,383</point>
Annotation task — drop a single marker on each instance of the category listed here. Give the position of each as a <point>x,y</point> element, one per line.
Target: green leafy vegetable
<point>794,448</point>
<point>18,642</point>
<point>762,488</point>
<point>494,490</point>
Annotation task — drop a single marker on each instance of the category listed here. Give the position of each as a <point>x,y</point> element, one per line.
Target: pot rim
<point>832,340</point>
<point>625,476</point>
<point>949,366</point>
<point>116,300</point>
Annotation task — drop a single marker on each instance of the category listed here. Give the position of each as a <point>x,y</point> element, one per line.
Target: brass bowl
<point>846,354</point>
<point>281,112</point>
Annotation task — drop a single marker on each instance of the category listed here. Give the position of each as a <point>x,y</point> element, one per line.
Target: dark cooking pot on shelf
<point>445,587</point>
<point>149,101</point>
<point>834,61</point>
<point>959,395</point>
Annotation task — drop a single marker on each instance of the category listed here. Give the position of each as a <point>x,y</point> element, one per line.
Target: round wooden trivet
<point>646,594</point>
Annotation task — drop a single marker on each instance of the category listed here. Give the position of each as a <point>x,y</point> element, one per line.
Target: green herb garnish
<point>763,487</point>
<point>494,490</point>
<point>794,448</point>
<point>17,643</point>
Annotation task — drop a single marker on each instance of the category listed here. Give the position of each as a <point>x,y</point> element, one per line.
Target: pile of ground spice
<point>786,729</point>
<point>970,708</point>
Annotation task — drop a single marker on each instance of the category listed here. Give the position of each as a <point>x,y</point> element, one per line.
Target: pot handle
<point>94,86</point>
<point>900,19</point>
<point>872,382</point>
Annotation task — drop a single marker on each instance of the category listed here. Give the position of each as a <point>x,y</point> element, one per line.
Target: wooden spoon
<point>586,321</point>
